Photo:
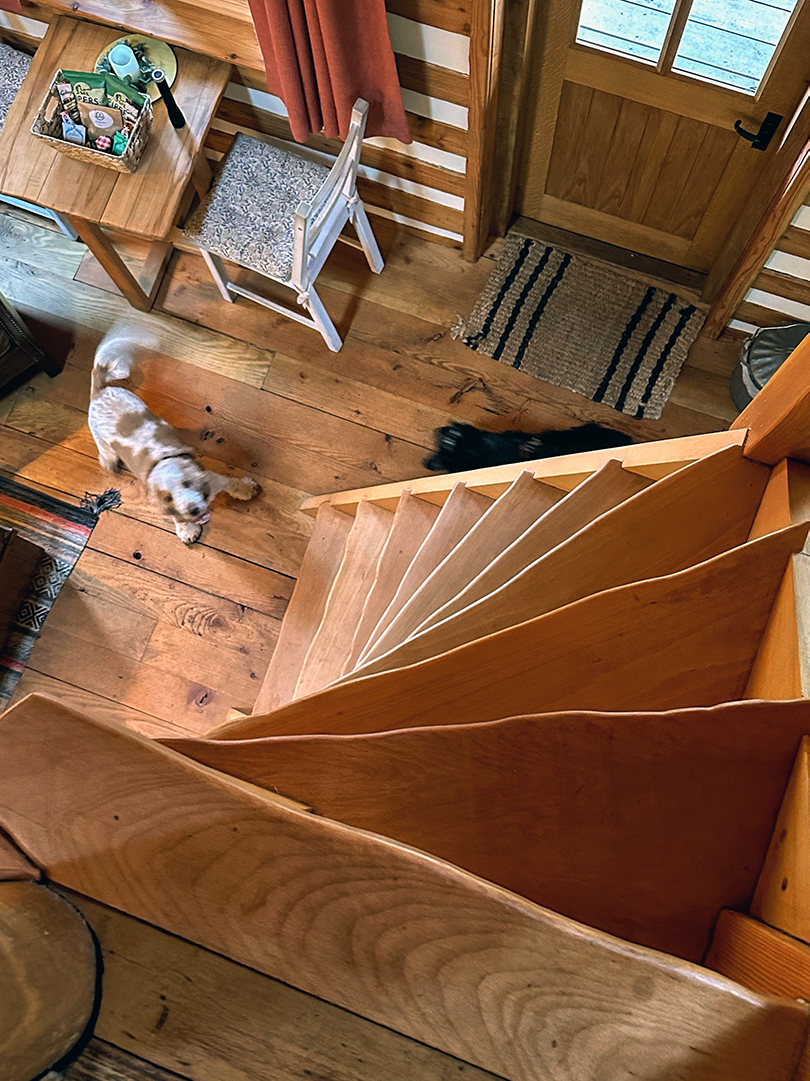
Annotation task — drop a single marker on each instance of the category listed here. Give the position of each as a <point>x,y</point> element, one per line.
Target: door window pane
<point>731,42</point>
<point>634,28</point>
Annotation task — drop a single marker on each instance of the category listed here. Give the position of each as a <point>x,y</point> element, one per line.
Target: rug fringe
<point>108,500</point>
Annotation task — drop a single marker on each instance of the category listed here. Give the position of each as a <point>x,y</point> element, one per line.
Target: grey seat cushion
<point>248,216</point>
<point>14,67</point>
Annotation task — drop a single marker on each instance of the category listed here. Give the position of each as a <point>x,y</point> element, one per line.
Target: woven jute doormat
<point>583,326</point>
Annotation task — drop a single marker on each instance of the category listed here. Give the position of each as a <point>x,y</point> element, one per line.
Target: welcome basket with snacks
<point>97,118</point>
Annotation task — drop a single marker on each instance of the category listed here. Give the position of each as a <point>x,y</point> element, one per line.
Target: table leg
<point>140,292</point>
<point>202,176</point>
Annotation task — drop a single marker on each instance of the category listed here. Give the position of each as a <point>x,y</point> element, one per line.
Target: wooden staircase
<point>519,564</point>
<point>514,769</point>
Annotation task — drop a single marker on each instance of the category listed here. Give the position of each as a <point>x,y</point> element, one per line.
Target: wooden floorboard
<point>168,639</point>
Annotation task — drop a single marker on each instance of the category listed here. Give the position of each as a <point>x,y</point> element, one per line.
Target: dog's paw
<point>188,532</point>
<point>245,488</point>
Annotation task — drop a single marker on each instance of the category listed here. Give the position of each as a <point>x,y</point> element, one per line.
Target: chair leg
<point>218,273</point>
<point>64,225</point>
<point>367,239</point>
<point>325,325</point>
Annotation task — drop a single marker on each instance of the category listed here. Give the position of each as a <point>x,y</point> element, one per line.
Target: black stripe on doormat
<point>474,339</point>
<point>530,283</point>
<point>538,311</point>
<point>641,352</point>
<point>684,317</point>
<point>627,334</point>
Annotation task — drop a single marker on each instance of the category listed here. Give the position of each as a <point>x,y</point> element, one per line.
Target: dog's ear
<point>160,497</point>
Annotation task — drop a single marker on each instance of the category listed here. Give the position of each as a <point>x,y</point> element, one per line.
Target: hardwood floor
<point>168,639</point>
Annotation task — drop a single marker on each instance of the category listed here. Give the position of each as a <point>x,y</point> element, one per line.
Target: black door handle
<point>767,129</point>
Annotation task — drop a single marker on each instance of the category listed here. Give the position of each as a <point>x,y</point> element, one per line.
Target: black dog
<point>460,447</point>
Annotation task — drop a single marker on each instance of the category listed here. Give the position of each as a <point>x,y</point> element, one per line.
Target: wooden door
<point>632,104</point>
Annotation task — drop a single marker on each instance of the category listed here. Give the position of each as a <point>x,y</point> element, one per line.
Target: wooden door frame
<point>526,28</point>
<point>773,203</point>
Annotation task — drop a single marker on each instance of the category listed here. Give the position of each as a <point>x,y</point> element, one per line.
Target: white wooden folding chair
<point>278,213</point>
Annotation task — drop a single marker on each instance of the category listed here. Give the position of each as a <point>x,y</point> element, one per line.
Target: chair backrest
<point>312,220</point>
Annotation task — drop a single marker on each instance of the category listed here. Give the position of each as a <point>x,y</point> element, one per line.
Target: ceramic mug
<point>123,62</point>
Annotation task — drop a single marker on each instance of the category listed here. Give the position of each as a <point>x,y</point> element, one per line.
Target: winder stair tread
<point>413,520</point>
<point>509,517</point>
<point>461,510</point>
<point>330,647</point>
<point>598,493</point>
<point>690,516</point>
<point>321,562</point>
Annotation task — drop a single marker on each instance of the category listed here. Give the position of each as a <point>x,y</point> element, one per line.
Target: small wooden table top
<point>144,203</point>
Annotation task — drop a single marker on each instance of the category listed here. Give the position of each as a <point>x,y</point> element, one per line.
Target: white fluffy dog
<point>128,434</point>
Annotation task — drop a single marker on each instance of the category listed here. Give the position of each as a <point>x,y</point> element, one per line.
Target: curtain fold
<point>321,55</point>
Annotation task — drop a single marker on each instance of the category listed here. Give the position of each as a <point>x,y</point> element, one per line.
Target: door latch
<point>767,129</point>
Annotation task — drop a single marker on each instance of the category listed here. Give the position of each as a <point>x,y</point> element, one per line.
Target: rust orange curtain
<point>321,55</point>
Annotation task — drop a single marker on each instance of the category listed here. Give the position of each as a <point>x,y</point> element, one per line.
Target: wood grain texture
<point>759,957</point>
<point>641,825</point>
<point>688,517</point>
<point>14,865</point>
<point>626,141</point>
<point>486,48</point>
<point>681,157</point>
<point>778,419</point>
<point>768,211</point>
<point>688,639</point>
<point>652,460</point>
<point>413,520</point>
<point>782,897</point>
<point>381,929</point>
<point>452,15</point>
<point>201,1015</point>
<point>47,979</point>
<point>777,672</point>
<point>601,492</point>
<point>307,604</point>
<point>331,644</point>
<point>764,960</point>
<point>118,200</point>
<point>462,509</point>
<point>502,524</point>
<point>782,285</point>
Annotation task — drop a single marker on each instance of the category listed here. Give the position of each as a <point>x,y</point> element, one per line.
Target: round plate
<point>158,52</point>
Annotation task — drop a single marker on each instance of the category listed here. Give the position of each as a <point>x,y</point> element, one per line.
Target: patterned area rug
<point>582,326</point>
<point>62,531</point>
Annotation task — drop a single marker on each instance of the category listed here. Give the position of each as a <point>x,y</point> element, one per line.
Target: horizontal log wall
<point>781,291</point>
<point>422,185</point>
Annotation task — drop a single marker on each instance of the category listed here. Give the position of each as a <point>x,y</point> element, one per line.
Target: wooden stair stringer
<point>376,927</point>
<point>592,497</point>
<point>508,518</point>
<point>459,513</point>
<point>781,667</point>
<point>332,642</point>
<point>413,520</point>
<point>306,607</point>
<point>684,519</point>
<point>686,639</point>
<point>643,825</point>
<point>782,896</point>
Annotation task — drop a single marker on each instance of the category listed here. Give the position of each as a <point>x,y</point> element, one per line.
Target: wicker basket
<point>50,131</point>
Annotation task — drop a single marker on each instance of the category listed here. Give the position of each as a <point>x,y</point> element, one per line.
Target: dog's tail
<point>118,354</point>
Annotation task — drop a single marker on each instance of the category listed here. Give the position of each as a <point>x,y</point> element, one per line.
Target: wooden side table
<point>94,199</point>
